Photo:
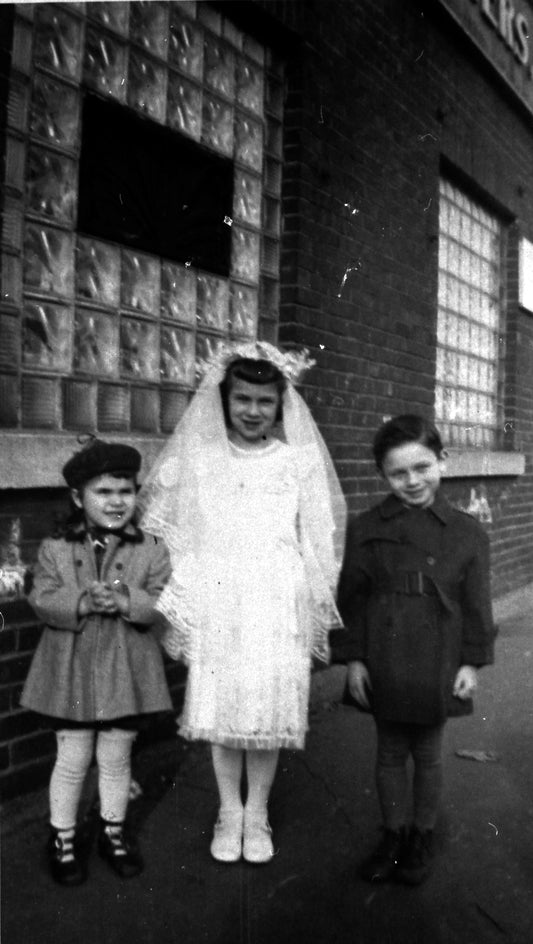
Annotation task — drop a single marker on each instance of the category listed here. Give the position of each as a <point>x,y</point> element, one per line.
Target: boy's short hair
<point>255,372</point>
<point>101,458</point>
<point>406,428</point>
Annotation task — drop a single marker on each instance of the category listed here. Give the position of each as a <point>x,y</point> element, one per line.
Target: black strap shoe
<point>381,865</point>
<point>65,865</point>
<point>415,863</point>
<point>119,852</point>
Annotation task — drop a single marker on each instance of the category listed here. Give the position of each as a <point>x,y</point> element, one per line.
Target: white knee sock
<point>260,770</point>
<point>113,755</point>
<point>74,755</point>
<point>227,763</point>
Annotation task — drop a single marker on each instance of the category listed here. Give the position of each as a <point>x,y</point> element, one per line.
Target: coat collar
<point>131,534</point>
<point>392,507</point>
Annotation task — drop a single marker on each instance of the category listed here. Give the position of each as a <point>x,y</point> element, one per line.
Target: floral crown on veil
<point>291,364</point>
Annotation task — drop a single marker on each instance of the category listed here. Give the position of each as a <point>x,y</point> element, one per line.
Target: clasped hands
<point>360,686</point>
<point>105,599</point>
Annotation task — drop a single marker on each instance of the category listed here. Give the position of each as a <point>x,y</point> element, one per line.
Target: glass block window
<point>469,326</point>
<point>101,326</point>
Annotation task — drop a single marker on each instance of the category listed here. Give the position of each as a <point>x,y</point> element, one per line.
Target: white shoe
<point>227,838</point>
<point>257,841</point>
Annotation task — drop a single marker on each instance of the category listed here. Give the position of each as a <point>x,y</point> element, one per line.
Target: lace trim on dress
<point>260,742</point>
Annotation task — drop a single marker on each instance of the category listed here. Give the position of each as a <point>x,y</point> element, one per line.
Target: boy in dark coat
<point>414,595</point>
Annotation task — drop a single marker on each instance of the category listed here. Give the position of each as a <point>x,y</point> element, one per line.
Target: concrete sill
<point>35,460</point>
<point>482,463</point>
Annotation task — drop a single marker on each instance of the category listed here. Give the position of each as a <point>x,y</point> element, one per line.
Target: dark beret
<point>101,458</point>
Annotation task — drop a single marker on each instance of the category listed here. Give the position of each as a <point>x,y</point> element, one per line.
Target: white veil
<point>168,501</point>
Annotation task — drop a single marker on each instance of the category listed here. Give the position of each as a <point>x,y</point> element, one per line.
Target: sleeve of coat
<point>143,598</point>
<point>54,601</point>
<point>479,630</point>
<point>349,644</point>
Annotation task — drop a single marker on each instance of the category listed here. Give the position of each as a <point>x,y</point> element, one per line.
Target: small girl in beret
<point>98,668</point>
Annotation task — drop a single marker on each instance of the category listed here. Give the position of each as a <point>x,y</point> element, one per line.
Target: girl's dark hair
<point>253,372</point>
<point>409,427</point>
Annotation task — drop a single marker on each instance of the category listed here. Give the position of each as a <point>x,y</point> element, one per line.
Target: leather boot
<point>64,861</point>
<point>381,865</point>
<point>415,863</point>
<point>118,851</point>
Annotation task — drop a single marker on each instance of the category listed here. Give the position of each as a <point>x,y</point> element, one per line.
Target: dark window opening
<point>148,187</point>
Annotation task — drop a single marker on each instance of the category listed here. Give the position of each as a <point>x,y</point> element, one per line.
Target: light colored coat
<point>97,668</point>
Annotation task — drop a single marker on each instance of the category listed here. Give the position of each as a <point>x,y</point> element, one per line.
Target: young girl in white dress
<point>247,499</point>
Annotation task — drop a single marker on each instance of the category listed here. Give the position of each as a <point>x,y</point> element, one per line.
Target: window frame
<point>464,461</point>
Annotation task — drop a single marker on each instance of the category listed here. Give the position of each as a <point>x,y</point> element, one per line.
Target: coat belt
<point>415,583</point>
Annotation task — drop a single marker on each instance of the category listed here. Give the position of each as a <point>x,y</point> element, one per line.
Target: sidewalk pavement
<point>325,818</point>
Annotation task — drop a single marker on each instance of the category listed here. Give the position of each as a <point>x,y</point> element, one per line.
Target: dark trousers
<point>396,743</point>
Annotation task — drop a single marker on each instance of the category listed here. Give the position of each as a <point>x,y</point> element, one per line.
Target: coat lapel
<point>422,527</point>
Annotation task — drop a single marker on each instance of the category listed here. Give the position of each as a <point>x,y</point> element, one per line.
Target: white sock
<point>74,755</point>
<point>260,770</point>
<point>113,755</point>
<point>227,764</point>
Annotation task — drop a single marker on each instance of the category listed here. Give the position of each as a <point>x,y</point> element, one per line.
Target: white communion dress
<point>256,538</point>
<point>246,593</point>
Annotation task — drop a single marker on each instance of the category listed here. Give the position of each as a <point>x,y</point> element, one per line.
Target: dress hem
<point>244,742</point>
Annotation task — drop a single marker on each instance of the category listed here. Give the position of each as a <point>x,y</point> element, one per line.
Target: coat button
<point>119,566</point>
<point>79,563</point>
<point>431,561</point>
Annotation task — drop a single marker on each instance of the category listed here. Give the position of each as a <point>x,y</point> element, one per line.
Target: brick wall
<point>380,96</point>
<point>358,182</point>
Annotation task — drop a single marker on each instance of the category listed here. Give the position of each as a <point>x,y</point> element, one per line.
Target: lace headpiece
<point>291,364</point>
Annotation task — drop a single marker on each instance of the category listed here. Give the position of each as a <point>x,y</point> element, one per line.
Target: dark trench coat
<point>414,595</point>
